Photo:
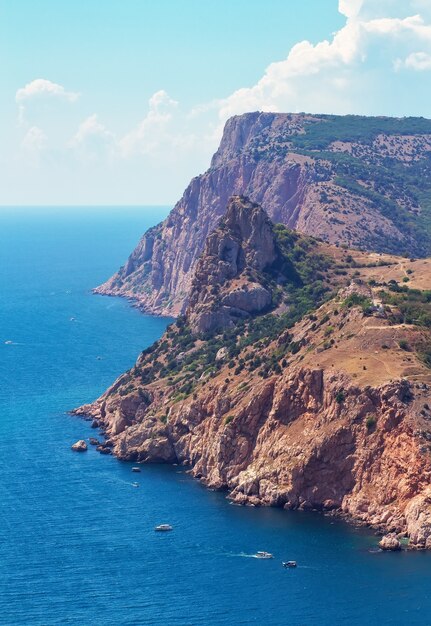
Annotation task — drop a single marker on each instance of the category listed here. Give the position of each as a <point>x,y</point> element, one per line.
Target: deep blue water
<point>77,544</point>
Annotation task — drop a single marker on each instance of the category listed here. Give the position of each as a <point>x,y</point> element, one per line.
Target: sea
<point>77,540</point>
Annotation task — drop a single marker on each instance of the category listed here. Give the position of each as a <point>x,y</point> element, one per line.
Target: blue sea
<point>77,544</point>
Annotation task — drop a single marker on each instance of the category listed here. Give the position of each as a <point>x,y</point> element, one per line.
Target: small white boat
<point>261,554</point>
<point>8,342</point>
<point>136,469</point>
<point>289,563</point>
<point>163,527</point>
<point>135,484</point>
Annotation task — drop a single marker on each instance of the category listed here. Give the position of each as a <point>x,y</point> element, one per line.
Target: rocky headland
<point>297,377</point>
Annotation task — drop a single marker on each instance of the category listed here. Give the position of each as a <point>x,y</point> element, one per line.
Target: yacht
<point>163,527</point>
<point>263,555</point>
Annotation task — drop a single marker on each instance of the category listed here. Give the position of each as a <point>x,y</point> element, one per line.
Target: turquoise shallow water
<point>77,544</point>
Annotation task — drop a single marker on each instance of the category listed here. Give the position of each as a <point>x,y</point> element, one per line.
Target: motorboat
<point>289,563</point>
<point>261,554</point>
<point>136,469</point>
<point>163,527</point>
<point>135,484</point>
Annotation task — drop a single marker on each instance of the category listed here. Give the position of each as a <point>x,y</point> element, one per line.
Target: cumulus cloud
<point>93,140</point>
<point>41,88</point>
<point>333,75</point>
<point>419,61</point>
<point>154,129</point>
<point>34,140</point>
<point>350,8</point>
<point>33,145</point>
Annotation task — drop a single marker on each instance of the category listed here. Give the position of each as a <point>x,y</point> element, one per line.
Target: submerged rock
<point>103,450</point>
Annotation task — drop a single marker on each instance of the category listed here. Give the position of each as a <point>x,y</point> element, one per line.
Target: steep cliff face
<point>363,182</point>
<point>227,282</point>
<point>324,403</point>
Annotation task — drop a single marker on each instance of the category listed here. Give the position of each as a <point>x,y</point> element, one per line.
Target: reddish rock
<point>390,543</point>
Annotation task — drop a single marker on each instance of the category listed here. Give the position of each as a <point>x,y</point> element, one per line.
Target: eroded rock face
<point>258,158</point>
<point>225,285</point>
<point>287,441</point>
<point>418,518</point>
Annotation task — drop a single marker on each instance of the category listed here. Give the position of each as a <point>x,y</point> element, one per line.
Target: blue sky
<point>123,101</point>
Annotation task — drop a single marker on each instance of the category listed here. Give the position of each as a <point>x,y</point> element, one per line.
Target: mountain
<point>298,377</point>
<point>364,182</point>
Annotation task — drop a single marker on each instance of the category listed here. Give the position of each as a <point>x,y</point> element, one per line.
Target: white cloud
<point>419,61</point>
<point>38,89</point>
<point>93,140</point>
<point>350,8</point>
<point>34,139</point>
<point>154,129</point>
<point>333,76</point>
<point>34,144</point>
<point>41,87</point>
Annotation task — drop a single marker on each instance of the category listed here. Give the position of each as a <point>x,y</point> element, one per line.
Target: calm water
<point>77,544</point>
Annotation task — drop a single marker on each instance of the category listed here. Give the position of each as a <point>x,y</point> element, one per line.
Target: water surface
<point>77,544</point>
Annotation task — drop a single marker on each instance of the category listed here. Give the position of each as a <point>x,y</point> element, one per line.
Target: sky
<point>122,102</point>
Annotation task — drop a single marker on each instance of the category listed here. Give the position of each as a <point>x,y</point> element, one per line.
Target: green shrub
<point>340,396</point>
<point>370,422</point>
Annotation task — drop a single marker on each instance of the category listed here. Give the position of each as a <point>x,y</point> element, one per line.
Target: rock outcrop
<point>79,446</point>
<point>390,543</point>
<point>226,285</point>
<point>349,180</point>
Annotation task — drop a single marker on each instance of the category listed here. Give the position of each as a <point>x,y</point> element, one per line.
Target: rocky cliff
<point>363,182</point>
<point>227,283</point>
<point>319,400</point>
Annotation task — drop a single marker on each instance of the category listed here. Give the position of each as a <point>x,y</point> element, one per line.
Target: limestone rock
<point>221,354</point>
<point>226,286</point>
<point>79,446</point>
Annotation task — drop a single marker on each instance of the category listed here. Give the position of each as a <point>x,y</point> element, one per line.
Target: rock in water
<point>390,543</point>
<point>79,446</point>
